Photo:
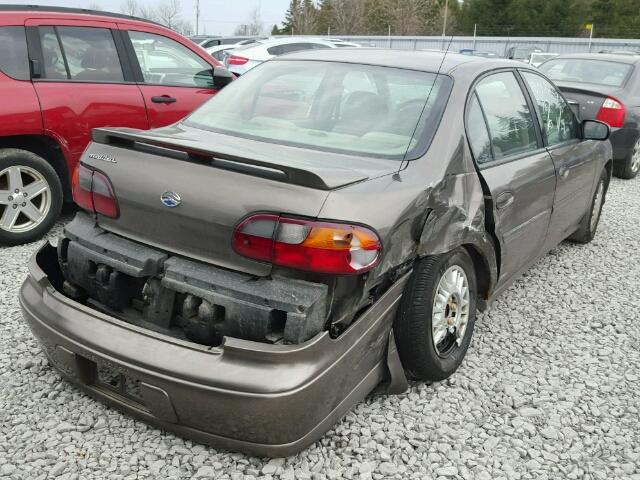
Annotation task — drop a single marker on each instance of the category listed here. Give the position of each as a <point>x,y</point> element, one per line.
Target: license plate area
<point>112,380</point>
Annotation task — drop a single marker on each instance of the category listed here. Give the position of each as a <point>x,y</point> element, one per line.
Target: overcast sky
<point>217,17</point>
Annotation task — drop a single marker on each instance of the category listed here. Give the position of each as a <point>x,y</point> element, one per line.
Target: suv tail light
<point>92,190</point>
<point>236,60</point>
<point>612,112</point>
<point>322,247</point>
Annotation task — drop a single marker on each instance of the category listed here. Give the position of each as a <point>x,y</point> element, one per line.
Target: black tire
<point>413,323</point>
<point>587,230</point>
<point>630,166</point>
<point>11,157</point>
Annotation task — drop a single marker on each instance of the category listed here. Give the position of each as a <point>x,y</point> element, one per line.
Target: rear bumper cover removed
<point>271,400</point>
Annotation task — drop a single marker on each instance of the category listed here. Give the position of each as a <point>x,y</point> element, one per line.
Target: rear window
<point>599,72</point>
<point>359,109</point>
<point>14,60</point>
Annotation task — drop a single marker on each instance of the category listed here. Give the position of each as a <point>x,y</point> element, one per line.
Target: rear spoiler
<point>313,177</point>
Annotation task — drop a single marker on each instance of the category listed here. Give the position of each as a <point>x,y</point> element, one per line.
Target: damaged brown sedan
<point>326,223</point>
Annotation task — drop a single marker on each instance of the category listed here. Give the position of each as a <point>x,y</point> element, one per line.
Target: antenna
<point>404,158</point>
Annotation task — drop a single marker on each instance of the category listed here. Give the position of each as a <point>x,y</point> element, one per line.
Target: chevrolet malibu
<point>327,225</point>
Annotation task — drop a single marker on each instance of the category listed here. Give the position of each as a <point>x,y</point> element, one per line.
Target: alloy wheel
<point>635,158</point>
<point>450,313</point>
<point>25,199</point>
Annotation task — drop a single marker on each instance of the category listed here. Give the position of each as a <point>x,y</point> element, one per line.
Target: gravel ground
<point>549,389</point>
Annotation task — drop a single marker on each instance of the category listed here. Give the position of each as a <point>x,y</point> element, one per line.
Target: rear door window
<point>14,60</point>
<point>80,53</point>
<point>477,132</point>
<point>164,61</point>
<point>509,119</point>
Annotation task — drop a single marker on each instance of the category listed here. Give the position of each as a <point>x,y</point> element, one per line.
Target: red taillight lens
<point>612,112</point>
<point>236,60</point>
<point>81,187</point>
<point>92,190</point>
<point>323,247</point>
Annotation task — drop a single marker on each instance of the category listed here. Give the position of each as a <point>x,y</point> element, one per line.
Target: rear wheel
<point>437,314</point>
<point>591,220</point>
<point>30,197</point>
<point>630,167</point>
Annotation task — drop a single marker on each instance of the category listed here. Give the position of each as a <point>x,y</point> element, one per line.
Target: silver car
<point>245,58</point>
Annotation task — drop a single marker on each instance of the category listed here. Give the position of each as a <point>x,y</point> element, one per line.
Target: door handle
<point>504,200</point>
<point>563,173</point>
<point>163,99</point>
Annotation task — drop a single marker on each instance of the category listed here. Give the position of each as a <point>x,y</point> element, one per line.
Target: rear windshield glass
<point>599,72</point>
<point>358,109</point>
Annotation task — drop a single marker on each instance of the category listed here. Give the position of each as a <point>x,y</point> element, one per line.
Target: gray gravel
<point>549,389</point>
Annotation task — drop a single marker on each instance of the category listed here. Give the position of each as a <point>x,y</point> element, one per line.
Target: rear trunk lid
<point>218,180</point>
<point>588,97</point>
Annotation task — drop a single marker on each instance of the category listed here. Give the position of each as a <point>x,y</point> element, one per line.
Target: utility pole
<point>197,17</point>
<point>475,25</point>
<point>444,22</point>
<point>389,36</point>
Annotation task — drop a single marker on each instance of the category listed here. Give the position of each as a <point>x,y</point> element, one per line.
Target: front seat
<point>361,112</point>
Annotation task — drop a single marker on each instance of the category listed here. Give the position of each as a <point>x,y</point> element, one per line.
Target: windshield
<point>358,109</point>
<point>599,72</point>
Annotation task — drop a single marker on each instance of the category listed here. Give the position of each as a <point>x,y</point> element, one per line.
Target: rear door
<point>174,79</point>
<point>81,81</point>
<point>517,171</point>
<point>573,159</point>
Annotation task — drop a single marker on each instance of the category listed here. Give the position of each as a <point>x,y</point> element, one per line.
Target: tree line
<point>607,18</point>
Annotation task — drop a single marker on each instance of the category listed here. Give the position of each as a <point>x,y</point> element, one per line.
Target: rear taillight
<point>323,247</point>
<point>612,112</point>
<point>92,190</point>
<point>236,60</point>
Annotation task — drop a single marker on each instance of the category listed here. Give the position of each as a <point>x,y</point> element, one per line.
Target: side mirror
<point>595,130</point>
<point>222,77</point>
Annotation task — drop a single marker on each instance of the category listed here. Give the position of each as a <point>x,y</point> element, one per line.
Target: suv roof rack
<point>87,11</point>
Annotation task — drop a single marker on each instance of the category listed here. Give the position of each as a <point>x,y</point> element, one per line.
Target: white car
<point>244,58</point>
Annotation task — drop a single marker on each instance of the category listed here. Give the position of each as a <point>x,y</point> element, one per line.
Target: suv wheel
<point>629,167</point>
<point>591,220</point>
<point>437,314</point>
<point>30,197</point>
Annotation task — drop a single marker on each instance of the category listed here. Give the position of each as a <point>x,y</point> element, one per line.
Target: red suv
<point>64,72</point>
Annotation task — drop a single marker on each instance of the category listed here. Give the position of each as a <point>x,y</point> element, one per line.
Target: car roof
<point>35,10</point>
<point>427,61</point>
<point>611,57</point>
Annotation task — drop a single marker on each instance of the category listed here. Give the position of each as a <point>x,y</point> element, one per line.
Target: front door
<point>174,79</point>
<point>572,158</point>
<point>517,171</point>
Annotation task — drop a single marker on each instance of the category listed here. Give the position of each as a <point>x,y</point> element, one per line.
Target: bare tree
<point>95,6</point>
<point>168,13</point>
<point>305,19</point>
<point>348,17</point>
<point>254,27</point>
<point>130,7</point>
<point>144,11</point>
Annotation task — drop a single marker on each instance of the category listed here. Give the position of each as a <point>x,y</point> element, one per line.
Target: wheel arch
<point>485,278</point>
<point>49,150</point>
